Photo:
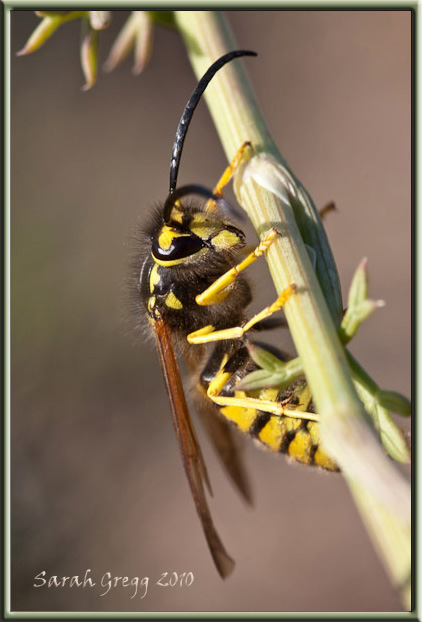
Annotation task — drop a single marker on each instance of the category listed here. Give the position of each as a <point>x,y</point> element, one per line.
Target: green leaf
<point>89,54</point>
<point>360,307</point>
<point>392,437</point>
<point>47,27</point>
<point>265,359</point>
<point>395,402</point>
<point>259,379</point>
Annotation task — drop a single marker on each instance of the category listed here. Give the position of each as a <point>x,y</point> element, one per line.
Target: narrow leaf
<point>40,35</point>
<point>395,402</point>
<point>89,56</point>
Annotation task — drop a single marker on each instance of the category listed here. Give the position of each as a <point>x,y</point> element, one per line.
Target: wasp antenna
<point>186,117</point>
<point>183,191</point>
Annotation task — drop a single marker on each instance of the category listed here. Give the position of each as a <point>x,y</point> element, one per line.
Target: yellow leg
<point>227,175</point>
<point>211,295</point>
<point>275,408</point>
<point>208,334</point>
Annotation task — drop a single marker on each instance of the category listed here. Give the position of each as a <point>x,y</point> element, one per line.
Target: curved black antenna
<point>201,191</point>
<point>182,128</point>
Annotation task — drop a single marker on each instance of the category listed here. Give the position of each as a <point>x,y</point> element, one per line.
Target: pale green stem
<point>345,432</point>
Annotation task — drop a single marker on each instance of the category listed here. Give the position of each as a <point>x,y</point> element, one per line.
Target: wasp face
<point>190,235</point>
<point>189,249</point>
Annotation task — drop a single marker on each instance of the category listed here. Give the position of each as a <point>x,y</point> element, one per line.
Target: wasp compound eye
<point>179,247</point>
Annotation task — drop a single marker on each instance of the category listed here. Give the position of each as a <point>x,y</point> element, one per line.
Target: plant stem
<point>346,434</point>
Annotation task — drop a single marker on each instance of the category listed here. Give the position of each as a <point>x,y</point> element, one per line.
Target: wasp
<point>191,287</point>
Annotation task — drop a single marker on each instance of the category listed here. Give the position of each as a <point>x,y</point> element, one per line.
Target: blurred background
<point>96,476</point>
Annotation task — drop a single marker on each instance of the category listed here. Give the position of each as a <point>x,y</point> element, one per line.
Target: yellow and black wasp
<point>190,283</point>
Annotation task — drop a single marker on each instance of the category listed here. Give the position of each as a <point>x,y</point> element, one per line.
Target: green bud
<point>360,307</point>
<point>99,20</point>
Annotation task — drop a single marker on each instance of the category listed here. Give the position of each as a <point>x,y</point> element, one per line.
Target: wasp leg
<point>275,408</point>
<point>227,175</point>
<point>212,294</point>
<point>208,334</point>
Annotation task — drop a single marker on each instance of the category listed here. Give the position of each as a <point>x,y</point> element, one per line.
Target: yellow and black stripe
<point>297,437</point>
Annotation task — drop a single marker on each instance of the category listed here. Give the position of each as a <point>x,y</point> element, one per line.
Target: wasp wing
<point>227,443</point>
<point>193,461</point>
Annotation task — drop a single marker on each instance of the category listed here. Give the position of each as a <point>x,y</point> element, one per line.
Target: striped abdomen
<point>298,438</point>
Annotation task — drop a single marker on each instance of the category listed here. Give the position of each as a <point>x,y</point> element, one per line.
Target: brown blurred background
<point>97,479</point>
